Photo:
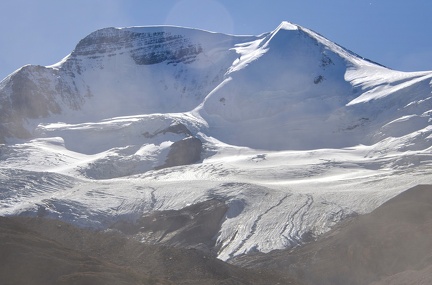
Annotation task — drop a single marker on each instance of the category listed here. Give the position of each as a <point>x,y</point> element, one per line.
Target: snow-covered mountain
<point>290,130</point>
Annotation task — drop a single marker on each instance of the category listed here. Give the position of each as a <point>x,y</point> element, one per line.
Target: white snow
<point>298,134</point>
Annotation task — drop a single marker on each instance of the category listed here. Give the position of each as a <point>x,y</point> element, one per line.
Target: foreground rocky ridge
<point>391,245</point>
<point>44,251</point>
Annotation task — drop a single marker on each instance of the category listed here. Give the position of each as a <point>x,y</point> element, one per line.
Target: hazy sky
<point>395,33</point>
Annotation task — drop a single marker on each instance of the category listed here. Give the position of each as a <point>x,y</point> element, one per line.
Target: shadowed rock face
<point>195,226</point>
<point>390,244</point>
<point>186,151</point>
<point>34,92</point>
<point>31,99</point>
<point>177,128</point>
<point>145,48</point>
<point>42,251</point>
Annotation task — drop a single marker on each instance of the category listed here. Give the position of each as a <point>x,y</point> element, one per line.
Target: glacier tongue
<point>293,132</point>
<point>275,199</point>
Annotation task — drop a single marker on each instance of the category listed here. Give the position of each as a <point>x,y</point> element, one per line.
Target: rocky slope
<point>391,245</point>
<point>43,251</point>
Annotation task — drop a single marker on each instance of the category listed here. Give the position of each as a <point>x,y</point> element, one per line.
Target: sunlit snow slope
<point>291,131</point>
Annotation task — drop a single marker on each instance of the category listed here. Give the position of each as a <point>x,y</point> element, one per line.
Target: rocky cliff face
<point>144,47</point>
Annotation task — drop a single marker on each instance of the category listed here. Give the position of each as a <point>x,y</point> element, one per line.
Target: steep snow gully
<point>291,131</point>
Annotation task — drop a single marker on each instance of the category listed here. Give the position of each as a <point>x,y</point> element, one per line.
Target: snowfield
<point>297,133</point>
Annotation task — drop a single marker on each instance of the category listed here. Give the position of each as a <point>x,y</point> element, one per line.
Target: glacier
<point>297,132</point>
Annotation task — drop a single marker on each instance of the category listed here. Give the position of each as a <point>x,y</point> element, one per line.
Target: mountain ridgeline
<point>233,145</point>
<point>291,80</point>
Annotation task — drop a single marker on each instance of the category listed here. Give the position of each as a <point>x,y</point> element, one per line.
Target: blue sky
<point>395,33</point>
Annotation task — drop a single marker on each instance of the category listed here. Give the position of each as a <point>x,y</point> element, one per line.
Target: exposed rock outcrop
<point>186,151</point>
<point>43,251</point>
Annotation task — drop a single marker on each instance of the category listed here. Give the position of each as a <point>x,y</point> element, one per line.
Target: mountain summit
<point>291,132</point>
<point>291,80</point>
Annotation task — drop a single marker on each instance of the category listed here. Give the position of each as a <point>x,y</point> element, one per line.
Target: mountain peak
<point>262,116</point>
<point>285,25</point>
